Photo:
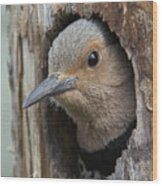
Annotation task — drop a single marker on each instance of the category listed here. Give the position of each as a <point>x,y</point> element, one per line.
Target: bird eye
<point>93,59</point>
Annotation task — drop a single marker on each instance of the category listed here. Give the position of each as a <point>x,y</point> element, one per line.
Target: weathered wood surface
<point>44,138</point>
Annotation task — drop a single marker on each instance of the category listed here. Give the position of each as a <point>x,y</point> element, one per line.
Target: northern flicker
<point>91,78</point>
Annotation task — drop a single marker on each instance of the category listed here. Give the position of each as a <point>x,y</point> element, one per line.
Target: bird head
<point>91,78</point>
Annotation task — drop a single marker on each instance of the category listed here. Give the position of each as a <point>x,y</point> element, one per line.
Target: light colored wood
<point>39,138</point>
<point>154,90</point>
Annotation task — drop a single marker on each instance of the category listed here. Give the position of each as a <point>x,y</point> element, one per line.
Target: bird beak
<point>51,86</point>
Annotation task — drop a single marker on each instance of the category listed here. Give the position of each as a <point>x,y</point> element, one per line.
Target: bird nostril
<point>70,81</point>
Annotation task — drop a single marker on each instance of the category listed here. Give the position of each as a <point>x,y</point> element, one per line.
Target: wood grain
<point>44,138</point>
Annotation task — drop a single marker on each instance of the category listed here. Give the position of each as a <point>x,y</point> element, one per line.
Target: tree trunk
<point>44,138</point>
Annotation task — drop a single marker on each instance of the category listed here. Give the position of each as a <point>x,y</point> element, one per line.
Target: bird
<point>91,78</point>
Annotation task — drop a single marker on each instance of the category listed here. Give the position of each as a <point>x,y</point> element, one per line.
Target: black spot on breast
<point>104,160</point>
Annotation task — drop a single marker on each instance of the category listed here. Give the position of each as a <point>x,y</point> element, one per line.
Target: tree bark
<point>44,138</point>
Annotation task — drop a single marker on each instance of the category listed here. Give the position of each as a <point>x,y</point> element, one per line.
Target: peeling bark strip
<point>44,145</point>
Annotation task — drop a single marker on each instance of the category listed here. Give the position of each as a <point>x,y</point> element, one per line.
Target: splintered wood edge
<point>154,90</point>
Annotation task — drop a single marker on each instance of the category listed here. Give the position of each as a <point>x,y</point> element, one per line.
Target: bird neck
<point>104,160</point>
<point>93,139</point>
<point>106,121</point>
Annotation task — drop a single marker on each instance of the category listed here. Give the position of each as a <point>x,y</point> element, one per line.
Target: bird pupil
<point>93,59</point>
